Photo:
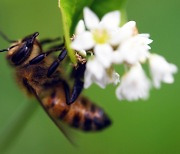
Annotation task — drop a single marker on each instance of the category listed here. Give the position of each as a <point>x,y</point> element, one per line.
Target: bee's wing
<point>66,131</point>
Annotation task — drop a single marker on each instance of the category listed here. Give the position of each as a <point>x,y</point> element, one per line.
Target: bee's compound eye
<point>21,55</point>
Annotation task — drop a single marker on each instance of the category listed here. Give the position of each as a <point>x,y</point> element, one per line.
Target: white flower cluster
<point>105,44</point>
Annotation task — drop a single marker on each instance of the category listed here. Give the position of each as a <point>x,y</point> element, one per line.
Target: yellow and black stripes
<point>82,114</point>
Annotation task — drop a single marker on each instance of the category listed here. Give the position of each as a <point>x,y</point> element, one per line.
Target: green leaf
<point>72,11</point>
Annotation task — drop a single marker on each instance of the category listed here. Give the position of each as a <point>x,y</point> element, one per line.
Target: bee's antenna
<point>4,50</point>
<point>6,38</point>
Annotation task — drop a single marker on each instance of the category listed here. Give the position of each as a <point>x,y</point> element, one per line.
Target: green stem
<point>16,124</point>
<point>66,24</point>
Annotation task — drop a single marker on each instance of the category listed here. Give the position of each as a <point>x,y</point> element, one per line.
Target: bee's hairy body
<point>82,114</point>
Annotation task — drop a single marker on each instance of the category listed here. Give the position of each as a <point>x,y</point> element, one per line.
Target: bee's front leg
<point>56,63</point>
<point>42,56</point>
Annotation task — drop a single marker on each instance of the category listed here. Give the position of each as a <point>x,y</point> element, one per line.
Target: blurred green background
<point>143,127</point>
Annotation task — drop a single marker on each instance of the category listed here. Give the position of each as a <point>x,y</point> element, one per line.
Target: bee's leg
<point>66,91</point>
<point>78,84</point>
<point>42,56</point>
<point>77,89</point>
<point>56,63</point>
<point>48,40</point>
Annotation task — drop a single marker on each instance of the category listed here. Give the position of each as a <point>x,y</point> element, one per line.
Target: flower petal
<point>117,57</point>
<point>90,18</point>
<point>80,28</point>
<point>82,53</point>
<point>95,68</point>
<point>94,73</point>
<point>104,54</point>
<point>121,34</point>
<point>129,29</point>
<point>87,79</point>
<point>84,41</point>
<point>115,37</point>
<point>135,49</point>
<point>161,70</point>
<point>134,85</point>
<point>111,20</point>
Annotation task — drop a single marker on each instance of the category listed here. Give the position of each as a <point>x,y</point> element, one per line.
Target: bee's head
<point>20,51</point>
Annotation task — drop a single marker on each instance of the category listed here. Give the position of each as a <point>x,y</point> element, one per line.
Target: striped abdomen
<point>82,114</point>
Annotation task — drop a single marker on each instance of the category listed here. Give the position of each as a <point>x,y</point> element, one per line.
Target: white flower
<point>103,44</point>
<point>96,73</point>
<point>99,36</point>
<point>133,50</point>
<point>134,85</point>
<point>126,31</point>
<point>161,70</point>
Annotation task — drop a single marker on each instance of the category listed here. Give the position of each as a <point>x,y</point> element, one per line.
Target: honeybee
<point>39,74</point>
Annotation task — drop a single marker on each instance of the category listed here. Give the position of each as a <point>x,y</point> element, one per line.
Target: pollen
<point>101,36</point>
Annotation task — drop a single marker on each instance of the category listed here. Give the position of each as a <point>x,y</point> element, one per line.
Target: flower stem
<point>16,124</point>
<point>66,26</point>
